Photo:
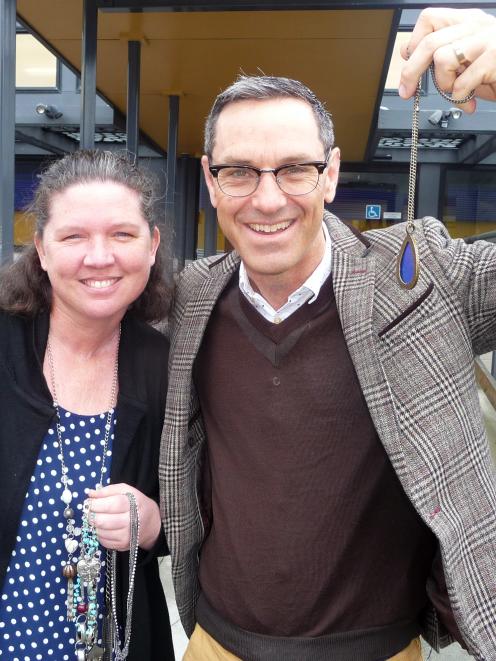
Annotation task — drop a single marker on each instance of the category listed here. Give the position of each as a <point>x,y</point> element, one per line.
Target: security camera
<point>49,111</point>
<point>436,117</point>
<point>456,113</point>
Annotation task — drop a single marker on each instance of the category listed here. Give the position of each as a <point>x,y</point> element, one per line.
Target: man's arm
<point>445,36</point>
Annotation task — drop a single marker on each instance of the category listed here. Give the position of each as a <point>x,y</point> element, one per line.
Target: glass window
<point>36,67</point>
<point>386,191</point>
<point>470,202</point>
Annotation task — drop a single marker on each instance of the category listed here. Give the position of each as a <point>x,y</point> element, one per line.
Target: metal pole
<point>7,126</point>
<point>210,247</point>
<point>493,364</point>
<point>180,213</point>
<point>191,212</point>
<point>172,161</point>
<point>88,75</point>
<point>133,95</point>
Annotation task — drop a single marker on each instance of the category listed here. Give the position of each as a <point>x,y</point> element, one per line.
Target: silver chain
<point>444,94</point>
<point>412,176</point>
<point>67,494</point>
<point>134,531</point>
<point>113,391</point>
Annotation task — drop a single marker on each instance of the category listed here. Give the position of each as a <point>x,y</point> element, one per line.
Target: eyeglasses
<point>293,179</point>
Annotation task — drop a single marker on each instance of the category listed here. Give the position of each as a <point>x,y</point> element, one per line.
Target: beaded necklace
<point>83,573</point>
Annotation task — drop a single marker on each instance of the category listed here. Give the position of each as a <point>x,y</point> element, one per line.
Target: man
<point>326,478</point>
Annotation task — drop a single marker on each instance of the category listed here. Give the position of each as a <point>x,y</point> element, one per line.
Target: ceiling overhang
<point>339,53</point>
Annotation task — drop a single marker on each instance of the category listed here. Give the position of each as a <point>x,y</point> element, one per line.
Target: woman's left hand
<point>110,511</point>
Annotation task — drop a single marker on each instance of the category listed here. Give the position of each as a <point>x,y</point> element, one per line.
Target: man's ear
<point>38,243</point>
<point>332,175</point>
<point>213,189</point>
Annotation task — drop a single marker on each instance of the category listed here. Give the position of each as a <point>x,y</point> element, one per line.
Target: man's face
<point>268,134</point>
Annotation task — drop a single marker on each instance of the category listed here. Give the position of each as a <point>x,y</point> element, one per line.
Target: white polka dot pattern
<point>33,621</point>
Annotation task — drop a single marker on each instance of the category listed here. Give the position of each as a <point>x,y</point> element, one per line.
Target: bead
<point>66,496</point>
<point>69,571</point>
<point>82,608</point>
<point>71,545</point>
<point>68,513</point>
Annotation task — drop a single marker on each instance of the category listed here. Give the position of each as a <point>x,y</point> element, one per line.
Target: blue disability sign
<point>373,211</point>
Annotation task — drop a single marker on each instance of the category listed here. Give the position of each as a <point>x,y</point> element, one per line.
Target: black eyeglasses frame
<point>320,166</point>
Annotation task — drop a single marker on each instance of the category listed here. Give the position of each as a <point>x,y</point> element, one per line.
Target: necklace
<point>121,651</point>
<point>84,572</point>
<point>408,260</point>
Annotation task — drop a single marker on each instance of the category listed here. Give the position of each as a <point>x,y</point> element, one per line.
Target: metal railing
<point>486,236</point>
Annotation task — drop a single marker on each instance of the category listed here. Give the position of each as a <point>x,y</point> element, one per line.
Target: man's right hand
<point>444,36</point>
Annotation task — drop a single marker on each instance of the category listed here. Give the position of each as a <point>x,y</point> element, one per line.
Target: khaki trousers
<point>203,647</point>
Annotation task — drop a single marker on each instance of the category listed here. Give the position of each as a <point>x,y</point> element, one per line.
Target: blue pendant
<point>407,266</point>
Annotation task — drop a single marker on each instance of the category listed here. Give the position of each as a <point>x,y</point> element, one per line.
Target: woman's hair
<point>24,286</point>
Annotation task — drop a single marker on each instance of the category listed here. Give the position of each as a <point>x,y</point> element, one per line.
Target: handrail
<point>486,381</point>
<point>485,236</point>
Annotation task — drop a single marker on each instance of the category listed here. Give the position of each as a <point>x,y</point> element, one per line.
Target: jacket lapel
<point>354,272</point>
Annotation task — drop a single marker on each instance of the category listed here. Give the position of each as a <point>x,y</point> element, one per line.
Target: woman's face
<point>97,250</point>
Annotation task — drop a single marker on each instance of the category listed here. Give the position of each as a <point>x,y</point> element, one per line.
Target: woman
<point>82,394</point>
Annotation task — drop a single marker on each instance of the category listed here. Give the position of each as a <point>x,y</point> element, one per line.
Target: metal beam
<point>446,156</point>
<point>88,74</point>
<point>133,96</point>
<point>429,190</point>
<point>264,5</point>
<point>55,143</point>
<point>373,137</point>
<point>180,214</point>
<point>7,126</point>
<point>170,195</point>
<point>482,152</point>
<point>191,210</point>
<point>401,120</point>
<point>210,241</point>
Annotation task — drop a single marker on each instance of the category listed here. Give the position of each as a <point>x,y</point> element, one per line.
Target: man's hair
<point>24,286</point>
<point>262,88</point>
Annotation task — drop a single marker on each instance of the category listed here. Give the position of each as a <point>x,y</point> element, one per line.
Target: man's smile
<point>270,228</point>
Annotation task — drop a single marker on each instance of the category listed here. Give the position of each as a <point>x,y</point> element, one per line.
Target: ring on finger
<point>460,55</point>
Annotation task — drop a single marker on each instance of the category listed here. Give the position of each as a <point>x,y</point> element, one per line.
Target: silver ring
<point>460,55</point>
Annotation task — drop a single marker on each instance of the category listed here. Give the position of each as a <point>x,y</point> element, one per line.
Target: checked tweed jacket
<point>413,353</point>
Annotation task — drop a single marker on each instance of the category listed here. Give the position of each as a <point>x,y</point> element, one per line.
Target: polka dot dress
<point>33,621</point>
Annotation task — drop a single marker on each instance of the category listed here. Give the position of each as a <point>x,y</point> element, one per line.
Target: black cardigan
<point>26,412</point>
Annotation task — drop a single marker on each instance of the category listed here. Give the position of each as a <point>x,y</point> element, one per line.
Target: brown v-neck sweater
<point>311,531</point>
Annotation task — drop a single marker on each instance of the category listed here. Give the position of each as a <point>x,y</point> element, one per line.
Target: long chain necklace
<point>82,593</point>
<point>121,651</point>
<point>408,261</point>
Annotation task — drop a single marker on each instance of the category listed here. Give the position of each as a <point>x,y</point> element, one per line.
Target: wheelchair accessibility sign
<point>373,211</point>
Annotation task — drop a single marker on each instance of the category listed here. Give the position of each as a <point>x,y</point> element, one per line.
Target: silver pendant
<point>95,653</point>
<point>89,570</point>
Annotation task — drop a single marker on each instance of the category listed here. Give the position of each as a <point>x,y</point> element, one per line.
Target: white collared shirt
<point>307,293</point>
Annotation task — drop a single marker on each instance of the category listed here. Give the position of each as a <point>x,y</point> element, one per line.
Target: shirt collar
<point>311,287</point>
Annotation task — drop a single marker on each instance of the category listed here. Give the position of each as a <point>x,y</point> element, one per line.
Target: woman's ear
<point>38,243</point>
<point>155,244</point>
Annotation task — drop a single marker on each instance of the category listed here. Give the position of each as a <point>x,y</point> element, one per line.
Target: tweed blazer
<point>413,352</point>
